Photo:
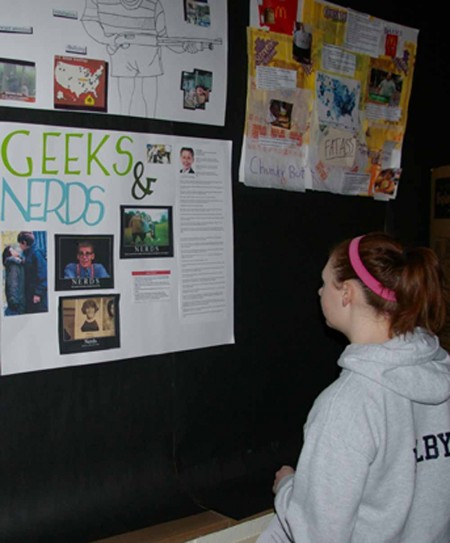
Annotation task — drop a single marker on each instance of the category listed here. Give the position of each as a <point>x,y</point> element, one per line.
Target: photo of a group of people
<point>159,153</point>
<point>146,232</point>
<point>17,80</point>
<point>197,12</point>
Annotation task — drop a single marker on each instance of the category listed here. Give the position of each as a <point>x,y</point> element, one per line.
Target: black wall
<point>92,451</point>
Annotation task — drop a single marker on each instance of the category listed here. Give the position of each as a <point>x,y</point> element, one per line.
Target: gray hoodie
<point>375,464</point>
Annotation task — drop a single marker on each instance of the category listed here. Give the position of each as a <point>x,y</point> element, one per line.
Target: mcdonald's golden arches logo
<point>280,12</point>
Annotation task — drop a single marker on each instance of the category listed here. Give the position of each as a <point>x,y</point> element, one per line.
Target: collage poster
<point>327,100</point>
<point>155,59</point>
<point>114,245</point>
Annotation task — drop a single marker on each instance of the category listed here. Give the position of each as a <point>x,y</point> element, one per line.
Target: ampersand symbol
<point>138,170</point>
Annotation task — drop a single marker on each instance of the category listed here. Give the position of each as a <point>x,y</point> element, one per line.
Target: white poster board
<point>144,58</point>
<point>132,231</point>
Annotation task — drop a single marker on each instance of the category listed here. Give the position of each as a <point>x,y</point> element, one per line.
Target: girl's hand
<point>283,472</point>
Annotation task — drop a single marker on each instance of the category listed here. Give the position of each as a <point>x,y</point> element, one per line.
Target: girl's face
<point>90,312</point>
<point>331,299</point>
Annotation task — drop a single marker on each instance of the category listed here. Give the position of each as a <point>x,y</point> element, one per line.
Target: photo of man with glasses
<point>85,268</point>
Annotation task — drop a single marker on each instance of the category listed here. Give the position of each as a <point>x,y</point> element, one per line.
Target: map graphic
<point>80,83</point>
<point>338,101</point>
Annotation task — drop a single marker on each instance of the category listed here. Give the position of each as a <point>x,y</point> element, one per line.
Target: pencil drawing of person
<point>126,27</point>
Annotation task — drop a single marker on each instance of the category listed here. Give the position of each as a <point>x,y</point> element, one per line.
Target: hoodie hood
<point>412,365</point>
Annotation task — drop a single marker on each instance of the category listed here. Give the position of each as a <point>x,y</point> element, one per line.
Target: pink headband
<point>362,272</point>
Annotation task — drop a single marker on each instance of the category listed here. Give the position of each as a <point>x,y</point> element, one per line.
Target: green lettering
<point>45,157</point>
<point>92,155</point>
<point>121,151</point>
<point>69,158</point>
<point>5,157</point>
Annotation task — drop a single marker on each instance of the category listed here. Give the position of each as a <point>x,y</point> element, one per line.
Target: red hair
<point>415,275</point>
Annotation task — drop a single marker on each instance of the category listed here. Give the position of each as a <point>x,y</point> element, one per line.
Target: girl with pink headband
<point>375,462</point>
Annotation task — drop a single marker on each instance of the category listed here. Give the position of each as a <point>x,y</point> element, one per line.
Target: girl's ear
<point>347,293</point>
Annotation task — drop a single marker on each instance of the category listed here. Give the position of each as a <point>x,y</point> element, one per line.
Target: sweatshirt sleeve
<point>319,504</point>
